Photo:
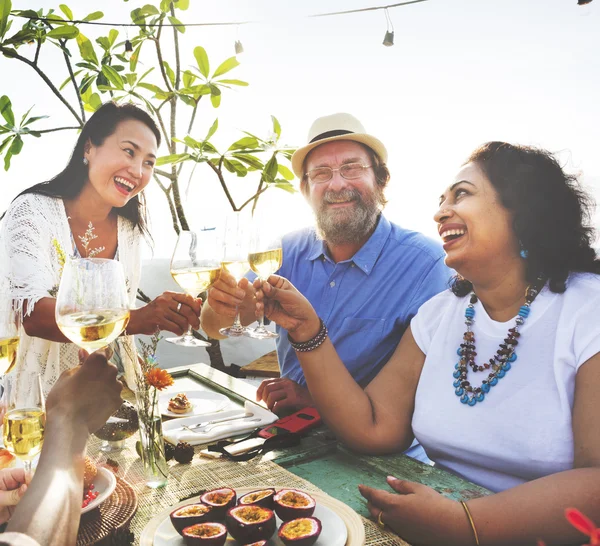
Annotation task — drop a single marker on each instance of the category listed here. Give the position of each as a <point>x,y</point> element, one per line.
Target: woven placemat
<point>115,512</point>
<point>188,480</point>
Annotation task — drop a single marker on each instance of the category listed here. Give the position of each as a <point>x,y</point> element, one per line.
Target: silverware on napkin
<point>215,421</point>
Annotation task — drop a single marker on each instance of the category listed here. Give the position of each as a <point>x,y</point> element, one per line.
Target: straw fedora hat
<point>336,127</point>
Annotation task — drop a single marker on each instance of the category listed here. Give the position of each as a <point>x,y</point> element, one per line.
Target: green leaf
<point>151,87</point>
<point>113,76</point>
<point>165,6</point>
<point>63,84</point>
<point>233,82</point>
<point>208,147</point>
<point>276,127</point>
<point>270,170</point>
<point>65,9</point>
<point>251,160</point>
<point>245,142</point>
<point>94,16</point>
<point>86,83</point>
<point>285,172</point>
<point>192,143</point>
<point>182,4</point>
<point>215,100</point>
<point>199,90</point>
<point>202,60</point>
<point>19,38</point>
<point>15,148</point>
<point>146,73</point>
<point>6,110</point>
<point>285,185</point>
<point>131,79</point>
<point>173,158</point>
<point>213,129</point>
<point>170,73</point>
<point>112,36</point>
<point>6,142</point>
<point>5,7</point>
<point>135,56</point>
<point>175,21</point>
<point>190,101</point>
<point>86,49</point>
<point>226,66</point>
<point>149,9</point>
<point>188,78</point>
<point>65,32</point>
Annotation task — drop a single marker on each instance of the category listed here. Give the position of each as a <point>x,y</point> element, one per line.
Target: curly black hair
<point>552,213</point>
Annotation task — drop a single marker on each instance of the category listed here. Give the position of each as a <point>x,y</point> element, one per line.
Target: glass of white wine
<point>195,267</point>
<point>25,418</point>
<point>265,258</point>
<point>92,307</point>
<point>10,330</point>
<point>235,259</point>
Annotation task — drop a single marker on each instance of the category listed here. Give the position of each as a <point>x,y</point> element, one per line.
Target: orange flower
<point>159,378</point>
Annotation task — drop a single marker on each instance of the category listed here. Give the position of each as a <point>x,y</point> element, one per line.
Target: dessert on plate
<point>180,404</point>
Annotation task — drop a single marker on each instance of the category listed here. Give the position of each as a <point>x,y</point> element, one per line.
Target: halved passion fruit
<point>259,543</point>
<point>250,523</point>
<point>205,534</point>
<point>220,500</point>
<point>291,504</point>
<point>262,497</point>
<point>300,532</point>
<point>190,514</point>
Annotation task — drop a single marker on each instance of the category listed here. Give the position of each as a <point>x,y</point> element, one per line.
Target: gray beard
<point>349,224</point>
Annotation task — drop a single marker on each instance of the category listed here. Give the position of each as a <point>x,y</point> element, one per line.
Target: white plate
<point>160,531</point>
<point>105,483</point>
<point>202,402</point>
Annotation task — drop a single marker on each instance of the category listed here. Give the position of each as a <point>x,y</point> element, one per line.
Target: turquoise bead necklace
<point>500,363</point>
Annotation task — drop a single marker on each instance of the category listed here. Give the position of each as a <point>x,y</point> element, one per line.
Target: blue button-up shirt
<point>366,302</point>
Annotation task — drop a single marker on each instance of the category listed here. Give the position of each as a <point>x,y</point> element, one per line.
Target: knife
<point>223,420</point>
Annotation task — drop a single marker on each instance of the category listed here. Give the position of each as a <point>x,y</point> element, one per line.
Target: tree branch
<point>37,52</point>
<point>57,129</point>
<point>223,185</point>
<point>72,76</point>
<point>160,58</point>
<point>258,192</point>
<point>171,207</point>
<point>14,55</point>
<point>165,174</point>
<point>255,196</point>
<point>177,61</point>
<point>189,130</point>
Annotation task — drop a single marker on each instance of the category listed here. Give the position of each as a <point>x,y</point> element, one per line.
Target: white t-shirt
<point>522,430</point>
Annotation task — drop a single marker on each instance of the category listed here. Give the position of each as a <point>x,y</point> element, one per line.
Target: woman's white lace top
<point>32,229</point>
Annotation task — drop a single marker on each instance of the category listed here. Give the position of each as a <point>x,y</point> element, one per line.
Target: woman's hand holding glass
<point>92,307</point>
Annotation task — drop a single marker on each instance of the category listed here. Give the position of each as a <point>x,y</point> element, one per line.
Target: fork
<point>208,428</point>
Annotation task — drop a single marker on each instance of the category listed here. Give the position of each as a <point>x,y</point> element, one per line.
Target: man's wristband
<point>311,344</point>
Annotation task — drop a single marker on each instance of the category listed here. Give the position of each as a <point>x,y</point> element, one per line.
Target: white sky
<point>461,72</point>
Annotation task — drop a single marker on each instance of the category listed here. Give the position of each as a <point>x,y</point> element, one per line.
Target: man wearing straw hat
<point>365,276</point>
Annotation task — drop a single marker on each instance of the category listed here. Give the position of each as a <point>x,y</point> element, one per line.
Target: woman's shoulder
<point>34,202</point>
<point>583,285</point>
<point>436,307</point>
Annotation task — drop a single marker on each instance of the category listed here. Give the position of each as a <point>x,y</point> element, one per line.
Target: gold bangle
<point>464,504</point>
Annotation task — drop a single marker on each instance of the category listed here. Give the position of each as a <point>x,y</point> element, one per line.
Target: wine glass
<point>235,259</point>
<point>265,258</point>
<point>92,307</point>
<point>195,267</point>
<point>10,330</point>
<point>25,418</point>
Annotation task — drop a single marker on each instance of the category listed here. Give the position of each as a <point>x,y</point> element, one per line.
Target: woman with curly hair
<point>498,377</point>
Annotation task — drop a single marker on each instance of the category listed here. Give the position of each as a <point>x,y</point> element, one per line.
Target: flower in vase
<point>159,378</point>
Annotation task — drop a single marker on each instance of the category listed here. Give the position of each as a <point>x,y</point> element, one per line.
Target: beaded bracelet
<point>473,528</point>
<point>311,344</point>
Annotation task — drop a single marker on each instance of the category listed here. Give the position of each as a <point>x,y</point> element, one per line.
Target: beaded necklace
<point>500,363</point>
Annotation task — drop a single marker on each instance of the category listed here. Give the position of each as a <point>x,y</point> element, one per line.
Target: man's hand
<point>12,488</point>
<point>283,393</point>
<point>87,395</point>
<point>226,296</point>
<point>171,311</point>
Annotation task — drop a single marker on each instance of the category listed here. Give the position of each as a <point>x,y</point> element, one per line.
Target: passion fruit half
<point>190,514</point>
<point>262,497</point>
<point>250,523</point>
<point>220,500</point>
<point>300,532</point>
<point>205,534</point>
<point>292,504</point>
<point>259,543</point>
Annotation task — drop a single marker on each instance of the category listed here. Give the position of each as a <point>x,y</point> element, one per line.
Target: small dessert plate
<point>202,402</point>
<point>105,483</point>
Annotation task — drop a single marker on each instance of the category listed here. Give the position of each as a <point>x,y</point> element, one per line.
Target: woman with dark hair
<point>93,208</point>
<point>528,428</point>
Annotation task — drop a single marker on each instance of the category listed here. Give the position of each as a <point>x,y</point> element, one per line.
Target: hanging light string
<point>216,24</point>
<point>390,25</point>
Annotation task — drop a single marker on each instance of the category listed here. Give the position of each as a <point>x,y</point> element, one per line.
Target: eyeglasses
<point>349,171</point>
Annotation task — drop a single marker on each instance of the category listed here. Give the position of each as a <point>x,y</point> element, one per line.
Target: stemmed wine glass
<point>92,307</point>
<point>265,258</point>
<point>235,259</point>
<point>10,329</point>
<point>25,418</point>
<point>195,267</point>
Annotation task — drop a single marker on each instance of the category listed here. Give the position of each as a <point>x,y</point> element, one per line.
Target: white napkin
<point>174,432</point>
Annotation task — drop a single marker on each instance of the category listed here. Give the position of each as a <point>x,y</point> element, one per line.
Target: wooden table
<point>327,463</point>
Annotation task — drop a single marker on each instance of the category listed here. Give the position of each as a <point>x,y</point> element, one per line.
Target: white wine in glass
<point>92,307</point>
<point>195,268</point>
<point>10,330</point>
<point>235,260</point>
<point>25,418</point>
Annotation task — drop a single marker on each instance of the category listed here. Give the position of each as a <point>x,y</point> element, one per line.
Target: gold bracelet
<point>471,522</point>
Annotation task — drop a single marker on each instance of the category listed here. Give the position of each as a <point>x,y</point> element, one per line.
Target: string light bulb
<point>583,2</point>
<point>388,39</point>
<point>128,49</point>
<point>239,48</point>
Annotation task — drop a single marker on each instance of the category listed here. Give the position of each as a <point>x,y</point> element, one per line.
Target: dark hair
<point>69,183</point>
<point>552,213</point>
<point>382,173</point>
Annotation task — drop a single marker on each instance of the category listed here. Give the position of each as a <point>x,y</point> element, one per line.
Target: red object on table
<point>297,422</point>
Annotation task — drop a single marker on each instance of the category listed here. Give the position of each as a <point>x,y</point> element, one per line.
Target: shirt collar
<point>368,254</point>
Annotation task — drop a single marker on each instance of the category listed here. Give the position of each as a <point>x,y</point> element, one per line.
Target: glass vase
<point>152,446</point>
